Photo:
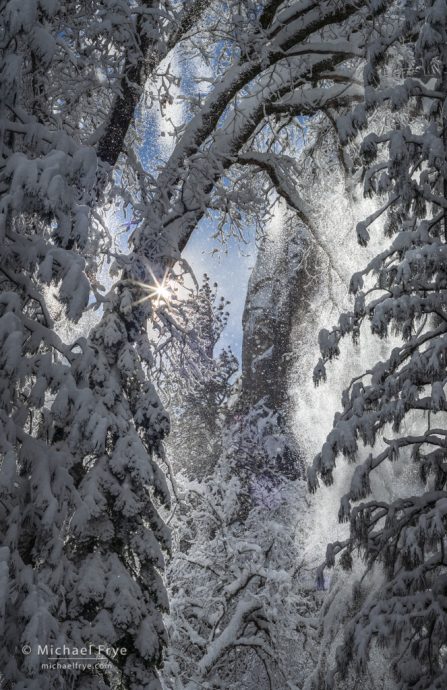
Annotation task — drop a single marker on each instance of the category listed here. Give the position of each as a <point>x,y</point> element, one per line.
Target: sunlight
<point>161,293</point>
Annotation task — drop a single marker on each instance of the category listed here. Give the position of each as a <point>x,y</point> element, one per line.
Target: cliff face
<point>279,288</point>
<point>278,291</point>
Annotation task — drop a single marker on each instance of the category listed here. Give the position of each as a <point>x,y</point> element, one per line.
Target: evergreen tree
<point>196,382</point>
<point>80,422</point>
<point>398,406</point>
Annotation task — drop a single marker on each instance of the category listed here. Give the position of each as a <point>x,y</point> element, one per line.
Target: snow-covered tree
<point>398,406</point>
<point>241,599</point>
<point>241,595</point>
<point>195,380</point>
<point>81,421</point>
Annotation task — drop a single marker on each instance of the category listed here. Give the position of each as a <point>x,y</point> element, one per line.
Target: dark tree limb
<point>133,78</point>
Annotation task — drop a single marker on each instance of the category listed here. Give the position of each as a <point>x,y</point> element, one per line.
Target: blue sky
<point>230,268</point>
<point>231,264</point>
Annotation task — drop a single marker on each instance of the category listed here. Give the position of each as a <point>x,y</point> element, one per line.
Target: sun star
<point>158,291</point>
